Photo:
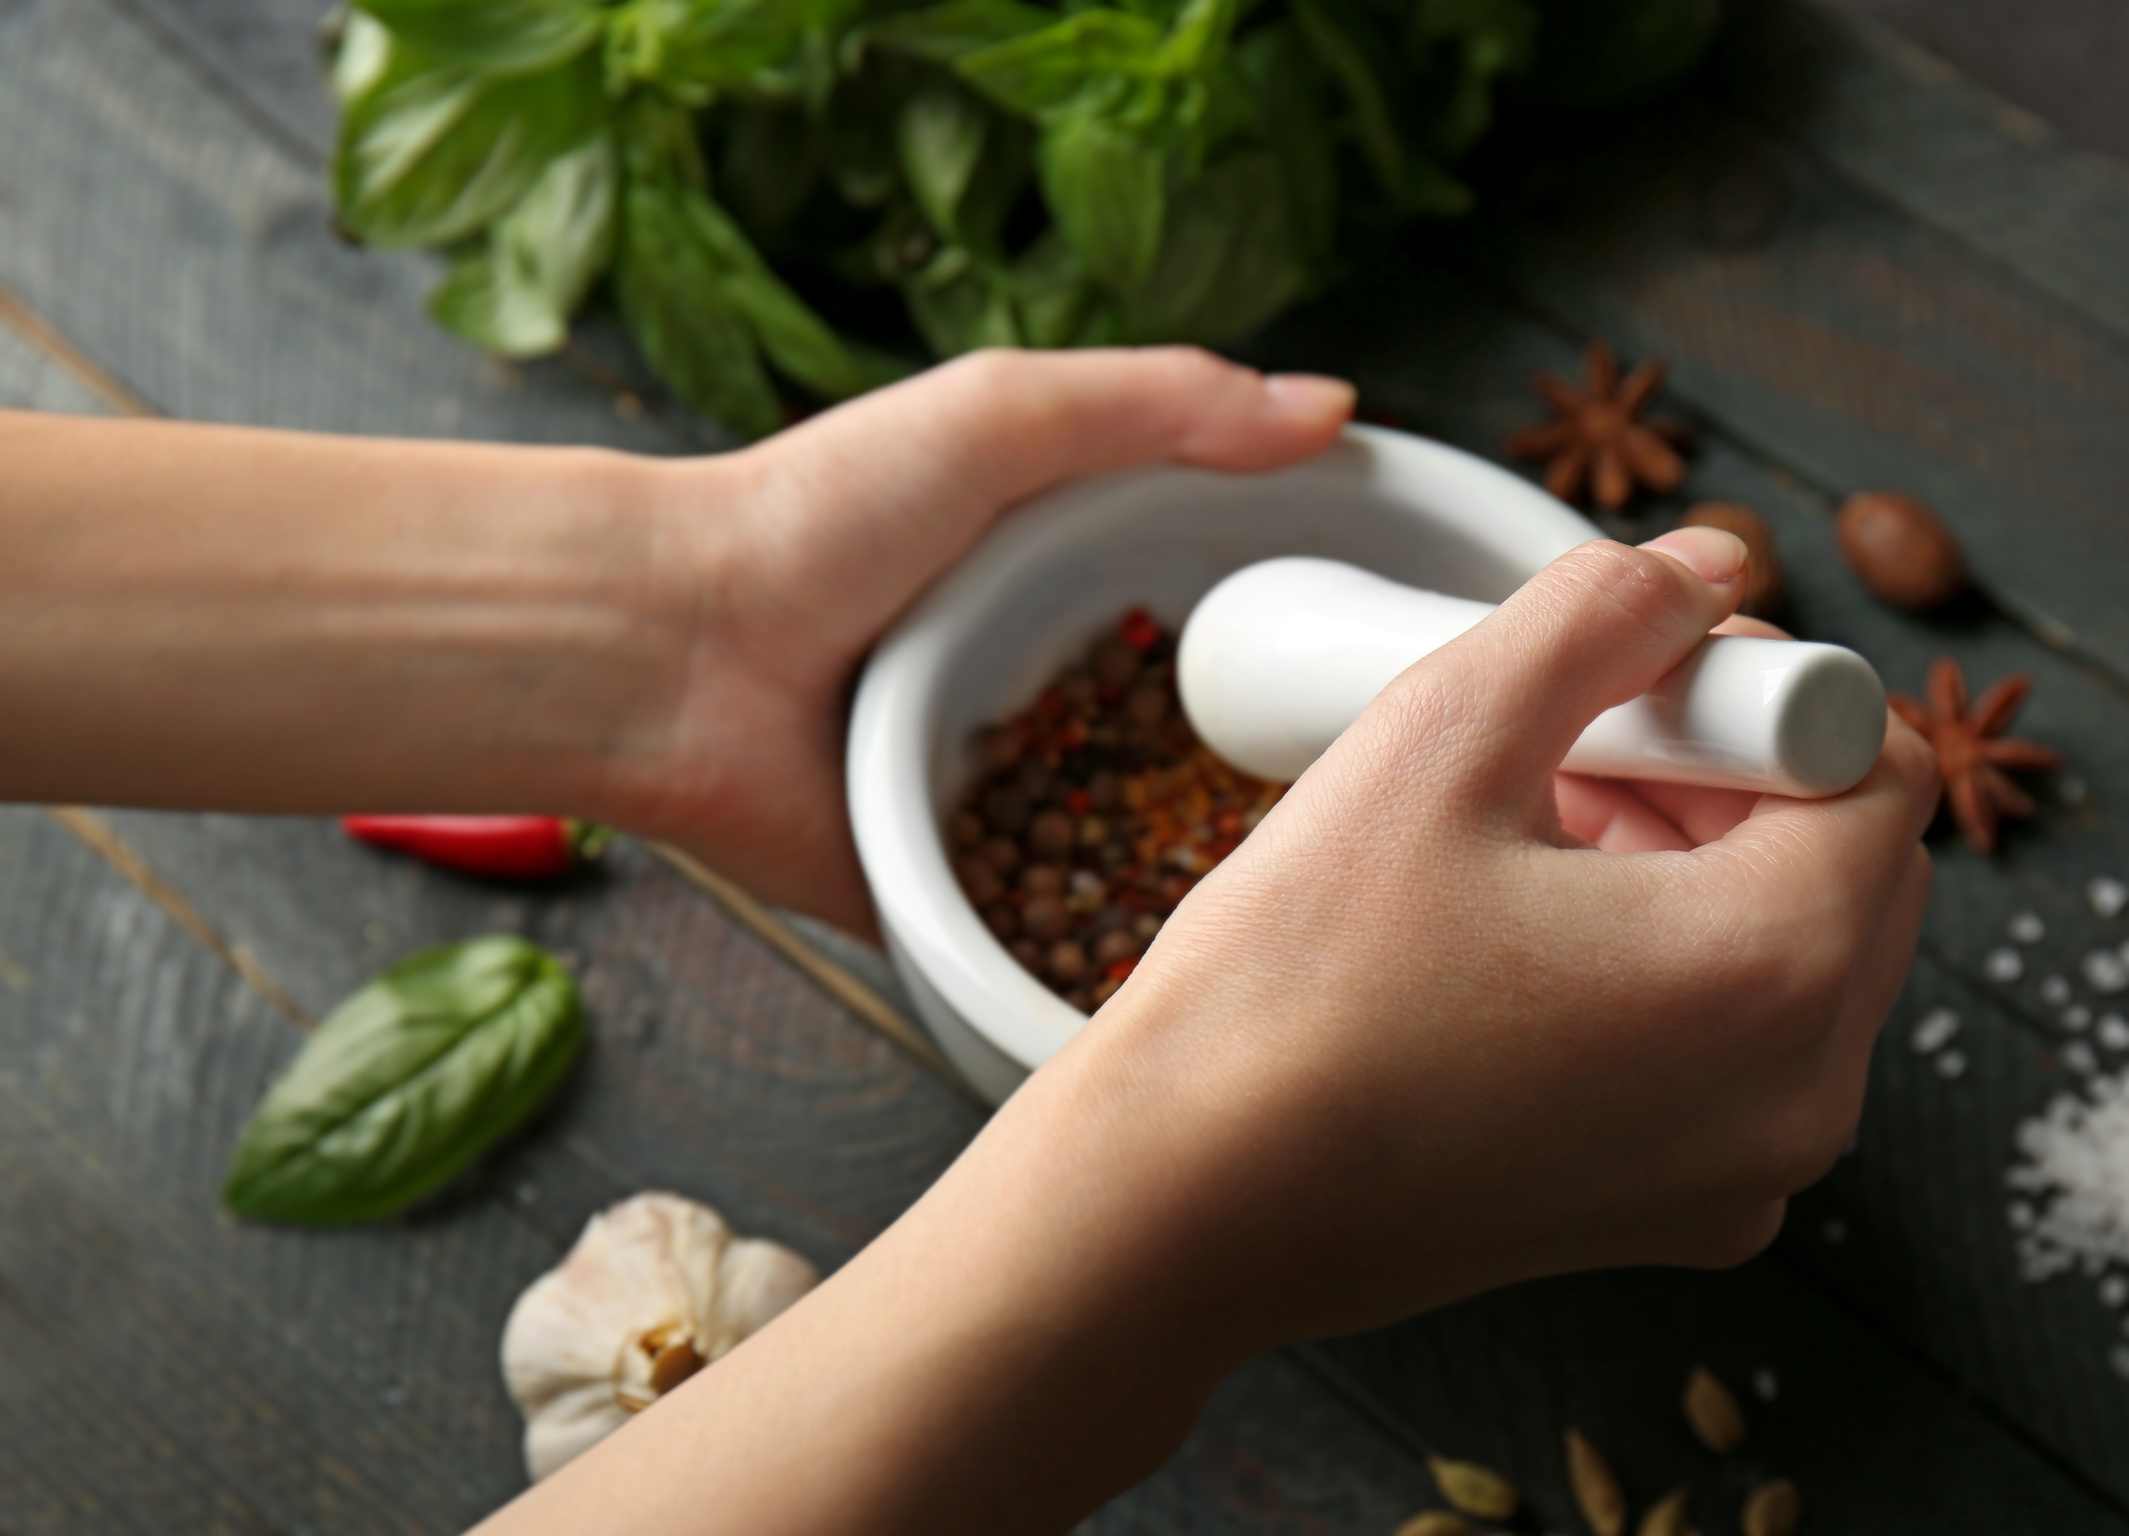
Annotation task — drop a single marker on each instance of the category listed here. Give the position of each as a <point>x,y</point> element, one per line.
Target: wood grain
<point>201,277</point>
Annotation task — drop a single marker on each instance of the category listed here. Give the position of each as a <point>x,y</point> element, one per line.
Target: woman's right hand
<point>1421,1036</point>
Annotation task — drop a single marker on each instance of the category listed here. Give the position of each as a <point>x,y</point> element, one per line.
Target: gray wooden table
<point>1867,273</point>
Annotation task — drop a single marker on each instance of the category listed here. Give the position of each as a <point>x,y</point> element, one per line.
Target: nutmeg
<point>1901,549</point>
<point>1763,572</point>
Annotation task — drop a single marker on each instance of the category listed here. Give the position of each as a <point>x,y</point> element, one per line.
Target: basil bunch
<point>407,1082</point>
<point>1023,174</point>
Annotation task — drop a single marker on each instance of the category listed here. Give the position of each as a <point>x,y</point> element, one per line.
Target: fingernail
<point>1716,557</point>
<point>1310,394</point>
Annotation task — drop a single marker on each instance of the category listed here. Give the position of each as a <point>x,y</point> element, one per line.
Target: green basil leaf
<point>1199,38</point>
<point>771,163</point>
<point>431,152</point>
<point>1483,39</point>
<point>1054,297</point>
<point>692,49</point>
<point>943,33</point>
<point>364,54</point>
<point>1107,190</point>
<point>958,308</point>
<point>1227,264</point>
<point>498,37</point>
<point>515,295</point>
<point>1282,81</point>
<point>668,289</point>
<point>407,1082</point>
<point>1000,179</point>
<point>1346,61</point>
<point>941,134</point>
<point>1075,65</point>
<point>798,341</point>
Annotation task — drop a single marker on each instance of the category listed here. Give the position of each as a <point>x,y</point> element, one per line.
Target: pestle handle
<point>1279,658</point>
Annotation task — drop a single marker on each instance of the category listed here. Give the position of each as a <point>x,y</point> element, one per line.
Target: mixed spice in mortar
<point>1094,812</point>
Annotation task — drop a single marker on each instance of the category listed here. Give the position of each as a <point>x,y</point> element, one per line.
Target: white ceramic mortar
<point>1054,575</point>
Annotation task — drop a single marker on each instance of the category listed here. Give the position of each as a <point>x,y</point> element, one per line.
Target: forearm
<point>218,617</point>
<point>1034,1336</point>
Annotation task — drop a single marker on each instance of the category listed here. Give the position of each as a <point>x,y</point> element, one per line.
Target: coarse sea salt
<point>2076,1016</point>
<point>2026,928</point>
<point>2076,1169</point>
<point>2004,964</point>
<point>2114,1031</point>
<point>1935,1030</point>
<point>2105,971</point>
<point>2055,991</point>
<point>2107,895</point>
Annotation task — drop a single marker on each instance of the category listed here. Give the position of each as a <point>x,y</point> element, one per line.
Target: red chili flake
<point>1139,630</point>
<point>1079,802</point>
<point>1228,824</point>
<point>1123,968</point>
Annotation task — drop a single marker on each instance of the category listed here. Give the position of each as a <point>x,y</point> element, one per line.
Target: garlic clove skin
<point>570,1424</point>
<point>655,1288</point>
<point>756,1279</point>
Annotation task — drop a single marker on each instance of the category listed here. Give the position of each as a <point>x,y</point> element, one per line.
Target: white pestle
<point>1278,659</point>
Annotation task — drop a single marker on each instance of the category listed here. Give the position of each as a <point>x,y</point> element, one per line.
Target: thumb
<point>876,497</point>
<point>1595,628</point>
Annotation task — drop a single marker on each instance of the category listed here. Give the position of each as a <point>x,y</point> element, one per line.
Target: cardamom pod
<point>1713,1412</point>
<point>1773,1510</point>
<point>1474,1489</point>
<point>1666,1517</point>
<point>1597,1492</point>
<point>1435,1522</point>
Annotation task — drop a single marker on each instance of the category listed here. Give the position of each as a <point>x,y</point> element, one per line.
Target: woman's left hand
<point>795,555</point>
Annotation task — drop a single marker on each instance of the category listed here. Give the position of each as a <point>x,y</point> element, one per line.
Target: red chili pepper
<point>1139,630</point>
<point>506,847</point>
<point>1123,968</point>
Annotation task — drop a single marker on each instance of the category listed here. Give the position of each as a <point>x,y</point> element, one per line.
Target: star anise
<point>1596,437</point>
<point>1972,749</point>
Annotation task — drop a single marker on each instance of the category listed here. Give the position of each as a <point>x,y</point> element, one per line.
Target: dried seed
<point>1713,1412</point>
<point>1474,1489</point>
<point>1597,1492</point>
<point>1773,1509</point>
<point>1901,549</point>
<point>1435,1522</point>
<point>1666,1517</point>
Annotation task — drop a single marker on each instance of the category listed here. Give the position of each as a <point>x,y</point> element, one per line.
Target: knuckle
<point>990,371</point>
<point>1184,366</point>
<point>1608,577</point>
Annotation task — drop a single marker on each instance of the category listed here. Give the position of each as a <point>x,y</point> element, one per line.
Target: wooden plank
<point>1464,356</point>
<point>1912,130</point>
<point>116,161</point>
<point>1438,356</point>
<point>1850,343</point>
<point>338,1381</point>
<point>266,1380</point>
<point>678,1120</point>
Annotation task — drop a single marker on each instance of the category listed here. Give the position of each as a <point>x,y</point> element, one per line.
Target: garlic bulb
<point>655,1289</point>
